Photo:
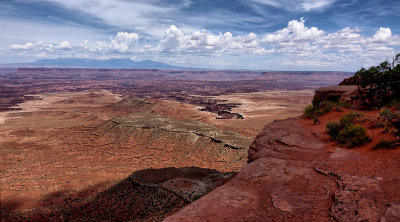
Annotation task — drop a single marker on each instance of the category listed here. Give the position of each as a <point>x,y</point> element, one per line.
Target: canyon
<point>138,145</point>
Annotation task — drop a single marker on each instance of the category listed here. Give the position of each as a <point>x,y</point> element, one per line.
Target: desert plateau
<point>69,141</point>
<point>200,111</point>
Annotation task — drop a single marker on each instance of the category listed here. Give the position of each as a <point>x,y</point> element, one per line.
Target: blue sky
<point>224,34</point>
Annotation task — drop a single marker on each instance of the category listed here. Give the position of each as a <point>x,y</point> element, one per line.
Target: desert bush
<point>353,135</point>
<point>387,118</point>
<point>316,101</point>
<point>309,111</point>
<point>333,129</point>
<point>349,119</point>
<point>319,108</point>
<point>386,114</point>
<point>383,144</point>
<point>327,106</point>
<point>343,104</point>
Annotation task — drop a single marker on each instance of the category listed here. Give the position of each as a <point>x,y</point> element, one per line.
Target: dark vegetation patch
<point>352,136</point>
<point>379,85</point>
<point>346,132</point>
<point>319,108</point>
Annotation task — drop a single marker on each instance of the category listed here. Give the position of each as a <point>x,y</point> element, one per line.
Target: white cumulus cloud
<point>203,41</point>
<point>123,42</point>
<point>26,46</point>
<point>63,45</point>
<point>173,39</point>
<point>383,34</point>
<point>296,30</point>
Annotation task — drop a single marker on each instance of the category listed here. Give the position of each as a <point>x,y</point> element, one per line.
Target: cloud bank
<point>295,45</point>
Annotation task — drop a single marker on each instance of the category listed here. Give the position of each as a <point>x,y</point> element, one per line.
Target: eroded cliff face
<point>295,173</point>
<point>176,142</point>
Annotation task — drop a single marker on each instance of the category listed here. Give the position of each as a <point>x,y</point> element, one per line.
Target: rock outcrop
<point>279,183</point>
<point>294,174</point>
<point>336,93</point>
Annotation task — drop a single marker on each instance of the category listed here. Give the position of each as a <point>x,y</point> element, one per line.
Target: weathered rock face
<point>281,138</point>
<point>295,175</point>
<point>357,197</point>
<point>336,93</point>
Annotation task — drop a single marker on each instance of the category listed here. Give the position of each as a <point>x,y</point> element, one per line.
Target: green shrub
<point>343,104</point>
<point>383,144</point>
<point>319,108</point>
<point>333,129</point>
<point>309,111</point>
<point>327,106</point>
<point>316,101</point>
<point>386,114</point>
<point>349,119</point>
<point>353,135</point>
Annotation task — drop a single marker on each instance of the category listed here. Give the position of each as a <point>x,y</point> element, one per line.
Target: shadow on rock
<point>146,195</point>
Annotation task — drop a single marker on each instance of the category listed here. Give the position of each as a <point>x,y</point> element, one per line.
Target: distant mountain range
<point>99,64</point>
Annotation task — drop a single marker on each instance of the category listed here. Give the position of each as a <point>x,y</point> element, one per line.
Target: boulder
<point>336,93</point>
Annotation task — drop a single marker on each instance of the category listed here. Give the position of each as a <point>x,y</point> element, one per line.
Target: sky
<point>331,35</point>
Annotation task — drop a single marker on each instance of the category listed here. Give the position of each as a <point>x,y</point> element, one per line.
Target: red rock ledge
<point>295,173</point>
